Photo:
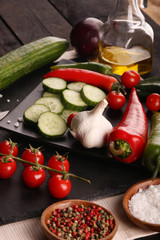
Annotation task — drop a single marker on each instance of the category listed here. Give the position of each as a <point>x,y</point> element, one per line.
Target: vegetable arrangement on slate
<point>82,90</point>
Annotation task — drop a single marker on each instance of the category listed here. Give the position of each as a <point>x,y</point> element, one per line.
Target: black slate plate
<point>67,141</point>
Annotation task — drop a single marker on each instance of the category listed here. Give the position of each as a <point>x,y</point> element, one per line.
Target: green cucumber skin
<point>30,57</point>
<point>148,86</point>
<point>93,66</point>
<point>54,91</point>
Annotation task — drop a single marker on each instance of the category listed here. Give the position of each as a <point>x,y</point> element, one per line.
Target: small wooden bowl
<point>69,203</point>
<point>130,192</point>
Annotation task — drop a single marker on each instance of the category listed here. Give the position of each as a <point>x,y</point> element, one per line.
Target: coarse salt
<point>16,124</point>
<point>145,204</point>
<point>20,119</point>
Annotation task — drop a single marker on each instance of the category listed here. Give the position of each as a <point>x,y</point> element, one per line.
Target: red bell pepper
<point>82,75</point>
<point>126,141</point>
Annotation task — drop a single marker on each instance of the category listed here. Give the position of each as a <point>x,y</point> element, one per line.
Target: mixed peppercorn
<point>81,222</point>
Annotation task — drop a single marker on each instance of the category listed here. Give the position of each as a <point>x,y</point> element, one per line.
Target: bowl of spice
<point>78,219</point>
<point>141,204</point>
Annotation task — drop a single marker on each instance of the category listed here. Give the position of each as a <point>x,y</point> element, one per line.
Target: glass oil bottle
<point>126,39</point>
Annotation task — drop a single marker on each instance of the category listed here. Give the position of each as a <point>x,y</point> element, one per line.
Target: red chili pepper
<point>126,141</point>
<point>82,75</point>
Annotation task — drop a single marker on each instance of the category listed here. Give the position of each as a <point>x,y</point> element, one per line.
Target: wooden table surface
<point>22,21</point>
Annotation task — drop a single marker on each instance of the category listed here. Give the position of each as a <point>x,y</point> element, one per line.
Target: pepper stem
<point>157,168</point>
<point>120,148</point>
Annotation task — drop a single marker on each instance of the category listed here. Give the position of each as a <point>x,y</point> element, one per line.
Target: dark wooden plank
<point>30,20</point>
<point>7,39</point>
<point>75,10</point>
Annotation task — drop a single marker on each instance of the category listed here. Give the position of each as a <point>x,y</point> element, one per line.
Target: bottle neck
<point>128,10</point>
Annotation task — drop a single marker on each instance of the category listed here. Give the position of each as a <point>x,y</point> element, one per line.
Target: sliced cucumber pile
<point>32,113</point>
<point>72,100</point>
<point>51,125</point>
<point>54,85</point>
<point>48,94</point>
<point>58,101</point>
<point>92,95</point>
<point>76,86</point>
<point>55,105</point>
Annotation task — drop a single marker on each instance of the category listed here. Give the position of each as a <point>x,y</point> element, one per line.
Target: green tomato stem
<point>75,176</point>
<point>65,174</point>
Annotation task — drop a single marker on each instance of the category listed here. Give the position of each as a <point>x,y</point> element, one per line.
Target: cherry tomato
<point>116,100</point>
<point>5,148</point>
<point>130,78</point>
<point>29,155</point>
<point>7,167</point>
<point>32,177</point>
<point>69,119</point>
<point>59,187</point>
<point>153,102</point>
<point>55,162</point>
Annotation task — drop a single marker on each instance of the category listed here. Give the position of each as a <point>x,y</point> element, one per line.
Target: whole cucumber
<point>30,57</point>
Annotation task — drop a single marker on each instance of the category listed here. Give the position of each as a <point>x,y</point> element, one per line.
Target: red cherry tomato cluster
<point>7,164</point>
<point>116,99</point>
<point>129,79</point>
<point>34,174</point>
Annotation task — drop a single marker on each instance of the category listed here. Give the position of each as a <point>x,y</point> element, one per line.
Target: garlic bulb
<point>91,127</point>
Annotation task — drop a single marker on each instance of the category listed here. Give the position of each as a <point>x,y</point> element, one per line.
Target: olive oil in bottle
<point>126,40</point>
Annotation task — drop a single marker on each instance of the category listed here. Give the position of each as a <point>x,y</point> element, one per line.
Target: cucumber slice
<point>51,125</point>
<point>32,113</point>
<point>72,100</point>
<point>54,85</point>
<point>66,113</point>
<point>76,86</point>
<point>54,104</point>
<point>48,94</point>
<point>92,95</point>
